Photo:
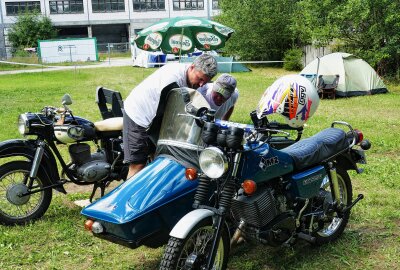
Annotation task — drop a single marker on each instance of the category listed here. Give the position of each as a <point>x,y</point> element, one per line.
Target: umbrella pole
<point>180,49</point>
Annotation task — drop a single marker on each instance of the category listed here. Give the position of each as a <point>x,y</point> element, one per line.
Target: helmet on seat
<point>292,96</point>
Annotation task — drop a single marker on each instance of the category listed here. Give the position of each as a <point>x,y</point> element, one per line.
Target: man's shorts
<point>136,142</point>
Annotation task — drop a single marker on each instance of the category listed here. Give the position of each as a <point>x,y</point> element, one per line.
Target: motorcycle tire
<point>16,210</point>
<point>179,252</point>
<point>335,228</point>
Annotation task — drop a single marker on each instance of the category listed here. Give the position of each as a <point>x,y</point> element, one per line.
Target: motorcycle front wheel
<point>14,208</point>
<point>193,251</point>
<point>336,224</point>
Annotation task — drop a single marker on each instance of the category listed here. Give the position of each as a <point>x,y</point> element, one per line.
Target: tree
<point>262,28</point>
<point>29,28</point>
<point>369,29</point>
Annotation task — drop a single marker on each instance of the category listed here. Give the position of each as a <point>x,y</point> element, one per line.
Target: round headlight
<point>23,124</point>
<point>213,162</point>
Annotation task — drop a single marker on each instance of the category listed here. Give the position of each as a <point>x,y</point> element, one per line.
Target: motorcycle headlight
<point>213,162</point>
<point>23,124</point>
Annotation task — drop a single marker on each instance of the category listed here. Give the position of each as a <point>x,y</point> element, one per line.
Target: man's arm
<point>228,114</point>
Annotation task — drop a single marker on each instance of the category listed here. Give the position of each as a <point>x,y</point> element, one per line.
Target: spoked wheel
<point>14,208</point>
<point>194,251</point>
<point>334,224</point>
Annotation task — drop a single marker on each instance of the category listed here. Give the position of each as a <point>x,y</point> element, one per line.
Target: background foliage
<point>28,29</point>
<point>265,30</point>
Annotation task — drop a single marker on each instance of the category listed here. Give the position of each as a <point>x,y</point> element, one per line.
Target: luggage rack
<point>110,102</point>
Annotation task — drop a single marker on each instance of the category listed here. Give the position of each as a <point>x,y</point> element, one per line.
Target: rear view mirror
<point>66,100</point>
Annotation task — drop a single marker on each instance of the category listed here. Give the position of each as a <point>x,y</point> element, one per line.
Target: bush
<point>292,60</point>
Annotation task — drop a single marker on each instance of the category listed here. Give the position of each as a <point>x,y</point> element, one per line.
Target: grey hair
<point>207,64</point>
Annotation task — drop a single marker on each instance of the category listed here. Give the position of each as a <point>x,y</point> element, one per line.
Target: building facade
<point>110,21</point>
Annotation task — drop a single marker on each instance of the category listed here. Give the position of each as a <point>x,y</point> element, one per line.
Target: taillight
<point>359,135</point>
<point>89,224</point>
<point>93,226</point>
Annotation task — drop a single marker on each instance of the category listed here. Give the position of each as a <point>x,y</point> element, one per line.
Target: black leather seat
<point>321,146</point>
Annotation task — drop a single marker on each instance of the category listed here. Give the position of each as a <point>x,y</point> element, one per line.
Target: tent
<point>356,77</point>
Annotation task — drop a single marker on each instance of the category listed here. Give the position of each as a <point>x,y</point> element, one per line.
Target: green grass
<point>58,241</point>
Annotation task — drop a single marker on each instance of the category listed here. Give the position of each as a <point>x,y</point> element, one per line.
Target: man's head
<point>201,71</point>
<point>223,88</point>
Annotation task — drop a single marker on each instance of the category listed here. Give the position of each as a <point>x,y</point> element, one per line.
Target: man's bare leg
<point>134,169</point>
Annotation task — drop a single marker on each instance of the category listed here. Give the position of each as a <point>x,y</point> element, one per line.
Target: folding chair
<point>327,85</point>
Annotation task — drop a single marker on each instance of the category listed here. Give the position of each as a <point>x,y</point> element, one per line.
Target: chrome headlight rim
<point>23,124</point>
<point>213,162</point>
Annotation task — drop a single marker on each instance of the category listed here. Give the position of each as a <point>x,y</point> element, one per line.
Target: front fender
<point>189,221</point>
<point>27,149</point>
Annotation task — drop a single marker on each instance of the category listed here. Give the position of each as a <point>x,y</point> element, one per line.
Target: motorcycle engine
<point>89,167</point>
<point>266,216</point>
<point>94,171</point>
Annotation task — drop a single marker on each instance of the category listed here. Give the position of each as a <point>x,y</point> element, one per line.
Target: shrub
<point>292,60</point>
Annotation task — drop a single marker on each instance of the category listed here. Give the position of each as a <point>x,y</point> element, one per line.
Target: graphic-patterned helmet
<point>292,96</point>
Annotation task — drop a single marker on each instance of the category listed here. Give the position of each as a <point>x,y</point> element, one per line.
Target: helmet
<point>292,96</point>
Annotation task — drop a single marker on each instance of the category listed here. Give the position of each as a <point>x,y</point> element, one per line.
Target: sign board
<point>68,50</point>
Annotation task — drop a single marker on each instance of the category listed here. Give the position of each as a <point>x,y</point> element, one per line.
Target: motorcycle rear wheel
<point>16,210</point>
<point>332,230</point>
<point>194,249</point>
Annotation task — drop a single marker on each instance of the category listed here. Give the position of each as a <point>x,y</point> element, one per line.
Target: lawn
<point>58,241</point>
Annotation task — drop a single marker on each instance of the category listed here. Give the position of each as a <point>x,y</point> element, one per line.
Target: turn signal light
<point>191,174</point>
<point>249,187</point>
<point>89,224</point>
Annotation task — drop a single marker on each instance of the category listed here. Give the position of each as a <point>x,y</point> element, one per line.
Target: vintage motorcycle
<point>144,209</point>
<point>274,197</point>
<point>26,182</point>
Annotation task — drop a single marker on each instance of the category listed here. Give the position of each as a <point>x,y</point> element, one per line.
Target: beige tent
<point>356,77</point>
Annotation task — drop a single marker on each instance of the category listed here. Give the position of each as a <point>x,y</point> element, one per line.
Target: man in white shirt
<point>221,95</point>
<point>144,105</point>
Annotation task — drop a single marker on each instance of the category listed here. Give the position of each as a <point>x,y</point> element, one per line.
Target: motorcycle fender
<point>189,221</point>
<point>346,162</point>
<point>27,149</point>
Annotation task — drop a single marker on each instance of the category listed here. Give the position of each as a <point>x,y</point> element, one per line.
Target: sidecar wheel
<point>336,225</point>
<point>193,251</point>
<point>17,210</point>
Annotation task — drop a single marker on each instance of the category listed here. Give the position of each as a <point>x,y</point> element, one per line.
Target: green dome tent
<point>356,77</point>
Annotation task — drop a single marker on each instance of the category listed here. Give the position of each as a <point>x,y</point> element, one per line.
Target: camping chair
<point>327,86</point>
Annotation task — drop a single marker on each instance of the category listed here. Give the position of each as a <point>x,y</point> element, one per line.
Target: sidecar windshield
<point>179,136</point>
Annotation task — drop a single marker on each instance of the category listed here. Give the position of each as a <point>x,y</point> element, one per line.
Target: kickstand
<point>97,185</point>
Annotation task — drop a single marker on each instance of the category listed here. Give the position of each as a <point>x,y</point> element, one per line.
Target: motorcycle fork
<point>36,163</point>
<point>224,205</point>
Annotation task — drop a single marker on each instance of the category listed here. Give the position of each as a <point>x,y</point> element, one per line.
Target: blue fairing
<point>158,183</point>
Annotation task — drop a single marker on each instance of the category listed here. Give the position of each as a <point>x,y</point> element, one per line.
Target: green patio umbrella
<point>182,35</point>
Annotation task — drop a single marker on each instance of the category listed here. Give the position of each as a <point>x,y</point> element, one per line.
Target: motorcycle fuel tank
<point>262,163</point>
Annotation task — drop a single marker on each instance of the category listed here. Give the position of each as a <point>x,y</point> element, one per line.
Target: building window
<point>148,5</point>
<point>215,4</point>
<point>14,8</point>
<point>188,4</point>
<point>108,5</point>
<point>66,6</point>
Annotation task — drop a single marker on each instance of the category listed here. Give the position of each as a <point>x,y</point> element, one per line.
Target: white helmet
<point>292,96</point>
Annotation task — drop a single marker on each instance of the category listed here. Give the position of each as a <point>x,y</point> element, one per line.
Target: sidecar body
<point>144,209</point>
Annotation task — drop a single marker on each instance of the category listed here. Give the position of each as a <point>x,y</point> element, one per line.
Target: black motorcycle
<point>30,173</point>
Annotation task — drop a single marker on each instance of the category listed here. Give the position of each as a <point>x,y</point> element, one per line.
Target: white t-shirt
<point>142,103</point>
<point>206,91</point>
